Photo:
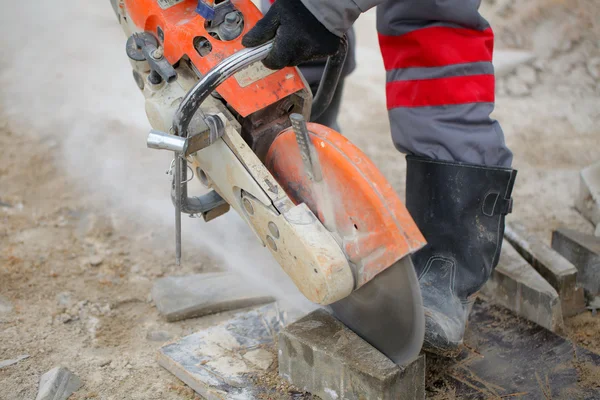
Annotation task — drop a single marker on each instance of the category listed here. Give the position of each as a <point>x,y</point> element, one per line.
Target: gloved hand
<point>299,36</point>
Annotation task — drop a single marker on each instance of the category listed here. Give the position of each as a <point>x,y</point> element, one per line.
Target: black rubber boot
<point>460,209</point>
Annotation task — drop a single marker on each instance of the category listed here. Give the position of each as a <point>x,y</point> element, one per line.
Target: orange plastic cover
<point>181,24</point>
<point>354,199</point>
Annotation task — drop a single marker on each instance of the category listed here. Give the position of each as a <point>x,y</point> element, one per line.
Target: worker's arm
<point>305,30</point>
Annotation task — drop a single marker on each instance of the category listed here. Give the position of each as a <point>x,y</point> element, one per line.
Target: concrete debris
<point>593,67</point>
<point>219,362</point>
<point>516,285</point>
<point>516,87</point>
<point>5,305</point>
<point>588,202</point>
<point>322,356</point>
<point>8,363</point>
<point>557,270</point>
<point>527,74</point>
<point>506,61</point>
<point>197,295</point>
<point>96,260</point>
<point>102,362</point>
<point>64,299</point>
<point>158,336</point>
<point>58,384</point>
<point>594,305</point>
<point>584,252</point>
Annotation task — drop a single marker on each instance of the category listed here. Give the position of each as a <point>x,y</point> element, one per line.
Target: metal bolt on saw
<point>320,206</point>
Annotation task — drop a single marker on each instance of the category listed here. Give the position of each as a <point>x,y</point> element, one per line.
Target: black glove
<point>299,36</point>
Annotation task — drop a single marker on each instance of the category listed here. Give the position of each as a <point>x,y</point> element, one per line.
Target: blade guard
<point>354,200</point>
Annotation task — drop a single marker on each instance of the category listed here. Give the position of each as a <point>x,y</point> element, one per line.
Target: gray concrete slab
<point>588,201</point>
<point>58,384</point>
<point>220,362</point>
<point>555,269</point>
<point>583,251</point>
<point>322,356</point>
<point>516,285</point>
<point>190,296</point>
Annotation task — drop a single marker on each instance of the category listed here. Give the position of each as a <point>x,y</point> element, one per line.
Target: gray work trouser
<point>439,75</point>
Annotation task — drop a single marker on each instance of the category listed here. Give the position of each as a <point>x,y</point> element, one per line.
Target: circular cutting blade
<point>388,312</point>
<point>359,207</point>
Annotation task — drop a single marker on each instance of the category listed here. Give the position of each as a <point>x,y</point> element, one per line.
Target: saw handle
<point>244,58</point>
<point>329,80</point>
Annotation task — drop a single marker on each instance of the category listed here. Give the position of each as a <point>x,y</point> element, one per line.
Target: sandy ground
<point>85,216</point>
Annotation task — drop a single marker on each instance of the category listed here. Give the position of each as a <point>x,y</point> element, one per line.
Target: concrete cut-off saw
<point>321,207</point>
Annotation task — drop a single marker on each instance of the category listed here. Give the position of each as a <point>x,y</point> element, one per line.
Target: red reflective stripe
<point>441,91</point>
<point>436,46</point>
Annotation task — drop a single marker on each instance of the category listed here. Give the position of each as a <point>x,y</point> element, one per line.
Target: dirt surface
<point>85,215</point>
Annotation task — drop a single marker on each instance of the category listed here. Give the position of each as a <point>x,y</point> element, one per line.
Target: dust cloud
<point>65,77</point>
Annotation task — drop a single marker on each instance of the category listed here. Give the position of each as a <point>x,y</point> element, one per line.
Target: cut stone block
<point>181,297</point>
<point>584,252</point>
<point>506,61</point>
<point>555,269</point>
<point>58,384</point>
<point>321,355</point>
<point>219,362</point>
<point>516,285</point>
<point>588,202</point>
<point>511,358</point>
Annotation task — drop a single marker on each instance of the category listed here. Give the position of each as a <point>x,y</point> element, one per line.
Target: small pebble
<point>527,74</point>
<point>158,336</point>
<point>5,305</point>
<point>96,260</point>
<point>64,299</point>
<point>516,87</point>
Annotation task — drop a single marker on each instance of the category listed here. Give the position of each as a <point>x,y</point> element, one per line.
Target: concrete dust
<point>77,185</point>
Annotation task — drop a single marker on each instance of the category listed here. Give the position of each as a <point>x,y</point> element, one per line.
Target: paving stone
<point>556,269</point>
<point>58,384</point>
<point>506,61</point>
<point>516,285</point>
<point>219,362</point>
<point>511,358</point>
<point>5,305</point>
<point>322,356</point>
<point>584,252</point>
<point>7,363</point>
<point>181,297</point>
<point>588,202</point>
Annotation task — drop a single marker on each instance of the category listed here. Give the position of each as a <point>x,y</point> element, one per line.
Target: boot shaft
<point>460,209</point>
